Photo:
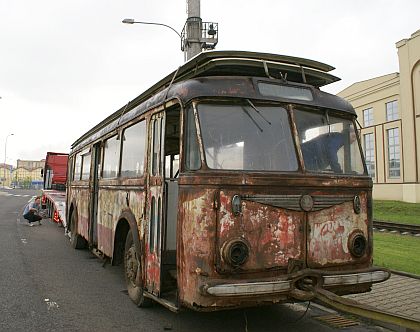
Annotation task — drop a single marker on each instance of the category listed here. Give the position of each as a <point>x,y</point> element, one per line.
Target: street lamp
<point>4,165</point>
<point>132,21</point>
<point>195,36</point>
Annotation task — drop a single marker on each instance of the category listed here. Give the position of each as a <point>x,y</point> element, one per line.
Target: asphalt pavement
<point>45,285</point>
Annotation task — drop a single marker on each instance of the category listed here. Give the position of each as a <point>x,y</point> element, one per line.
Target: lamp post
<point>132,21</point>
<point>4,165</point>
<point>196,35</point>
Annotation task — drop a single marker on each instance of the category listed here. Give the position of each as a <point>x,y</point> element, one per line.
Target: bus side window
<point>70,168</point>
<point>111,157</point>
<point>172,143</point>
<point>192,159</point>
<point>77,167</point>
<point>133,150</point>
<point>86,166</point>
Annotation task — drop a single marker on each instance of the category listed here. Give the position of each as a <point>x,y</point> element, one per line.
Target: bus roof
<point>233,63</point>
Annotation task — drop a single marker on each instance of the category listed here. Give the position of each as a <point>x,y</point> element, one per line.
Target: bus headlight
<point>235,252</point>
<point>357,244</point>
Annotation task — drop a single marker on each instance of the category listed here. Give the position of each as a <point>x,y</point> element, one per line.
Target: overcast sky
<point>65,65</point>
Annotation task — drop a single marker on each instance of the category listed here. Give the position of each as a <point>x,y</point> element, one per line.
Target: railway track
<point>402,228</point>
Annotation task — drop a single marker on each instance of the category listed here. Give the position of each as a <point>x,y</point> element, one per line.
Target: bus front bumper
<point>296,282</point>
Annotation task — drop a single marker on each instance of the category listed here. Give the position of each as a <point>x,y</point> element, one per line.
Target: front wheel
<point>131,267</point>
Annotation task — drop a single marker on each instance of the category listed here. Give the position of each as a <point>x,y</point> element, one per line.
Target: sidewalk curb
<point>405,274</point>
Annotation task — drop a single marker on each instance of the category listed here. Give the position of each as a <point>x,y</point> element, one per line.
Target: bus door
<point>94,189</point>
<point>155,199</point>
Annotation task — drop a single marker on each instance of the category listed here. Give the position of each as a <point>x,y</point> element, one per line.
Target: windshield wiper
<point>257,110</point>
<point>252,119</point>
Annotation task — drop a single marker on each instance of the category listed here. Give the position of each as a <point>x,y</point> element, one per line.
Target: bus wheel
<point>131,266</point>
<point>76,240</point>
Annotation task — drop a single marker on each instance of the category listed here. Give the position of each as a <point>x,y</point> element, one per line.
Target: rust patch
<point>275,235</point>
<point>329,232</point>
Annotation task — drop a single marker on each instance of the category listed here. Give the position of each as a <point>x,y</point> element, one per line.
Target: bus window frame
<point>243,101</point>
<point>146,139</point>
<point>184,165</point>
<point>80,154</point>
<point>83,154</point>
<point>117,135</point>
<point>328,112</point>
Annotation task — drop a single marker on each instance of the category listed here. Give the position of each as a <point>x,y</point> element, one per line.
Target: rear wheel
<point>76,240</point>
<point>132,266</point>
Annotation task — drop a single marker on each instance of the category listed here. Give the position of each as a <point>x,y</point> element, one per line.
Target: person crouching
<point>31,212</point>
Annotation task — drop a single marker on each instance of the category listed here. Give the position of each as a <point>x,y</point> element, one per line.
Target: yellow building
<point>388,109</point>
<point>6,175</point>
<point>28,173</point>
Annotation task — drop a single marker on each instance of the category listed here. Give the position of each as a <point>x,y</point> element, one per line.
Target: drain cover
<point>337,321</point>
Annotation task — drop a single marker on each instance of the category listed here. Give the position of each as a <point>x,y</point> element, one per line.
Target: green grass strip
<point>397,252</point>
<point>395,211</point>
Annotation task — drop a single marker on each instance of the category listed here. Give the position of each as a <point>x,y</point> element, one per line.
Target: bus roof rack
<point>235,63</point>
<point>243,63</point>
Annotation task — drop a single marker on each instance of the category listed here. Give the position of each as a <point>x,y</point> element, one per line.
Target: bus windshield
<point>328,143</point>
<point>245,137</point>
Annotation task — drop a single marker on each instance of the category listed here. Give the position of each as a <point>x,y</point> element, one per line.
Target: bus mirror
<point>42,173</point>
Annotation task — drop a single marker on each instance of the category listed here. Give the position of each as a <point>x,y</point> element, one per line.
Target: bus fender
<point>72,209</point>
<point>131,219</point>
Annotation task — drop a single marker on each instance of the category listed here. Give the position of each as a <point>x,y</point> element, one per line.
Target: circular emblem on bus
<point>306,203</point>
<point>356,204</point>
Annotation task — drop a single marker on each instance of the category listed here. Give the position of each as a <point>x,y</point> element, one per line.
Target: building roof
<point>2,165</point>
<point>369,86</point>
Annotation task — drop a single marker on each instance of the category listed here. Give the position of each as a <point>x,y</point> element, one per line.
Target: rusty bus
<point>234,181</point>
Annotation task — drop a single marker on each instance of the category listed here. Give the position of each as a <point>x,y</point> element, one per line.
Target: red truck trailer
<point>55,171</point>
<point>54,192</point>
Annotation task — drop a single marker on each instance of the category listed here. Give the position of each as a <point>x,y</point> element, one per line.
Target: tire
<point>131,267</point>
<point>76,240</point>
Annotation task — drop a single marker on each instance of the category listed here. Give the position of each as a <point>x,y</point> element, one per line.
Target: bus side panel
<point>136,206</point>
<point>330,230</point>
<point>82,199</point>
<point>110,205</point>
<point>196,242</point>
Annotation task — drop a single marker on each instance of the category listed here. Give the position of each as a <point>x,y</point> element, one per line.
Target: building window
<point>393,153</point>
<point>391,110</point>
<point>369,148</point>
<point>368,117</point>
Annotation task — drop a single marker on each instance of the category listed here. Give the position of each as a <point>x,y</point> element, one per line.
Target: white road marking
<point>51,304</point>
